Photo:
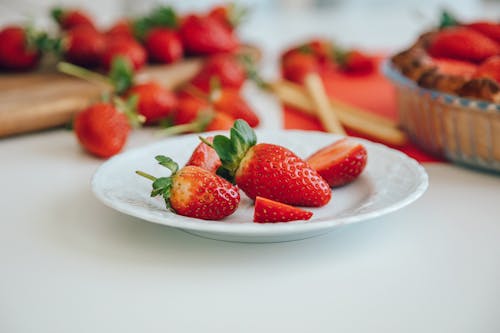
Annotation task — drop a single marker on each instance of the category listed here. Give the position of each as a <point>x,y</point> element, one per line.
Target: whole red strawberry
<point>84,46</point>
<point>205,156</point>
<point>204,35</point>
<point>124,47</point>
<point>163,45</point>
<point>296,65</point>
<point>339,163</point>
<point>230,15</point>
<point>194,192</point>
<point>101,129</point>
<point>70,18</point>
<point>155,102</point>
<point>268,170</point>
<point>188,108</point>
<point>229,101</point>
<point>489,68</point>
<point>356,62</point>
<point>463,44</point>
<point>225,67</point>
<point>121,29</point>
<point>489,29</point>
<point>269,211</point>
<point>15,54</point>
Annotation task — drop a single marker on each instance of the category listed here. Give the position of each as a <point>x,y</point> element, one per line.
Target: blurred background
<point>373,25</point>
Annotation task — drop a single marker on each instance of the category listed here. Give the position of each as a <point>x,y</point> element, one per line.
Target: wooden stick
<point>319,99</point>
<point>364,122</point>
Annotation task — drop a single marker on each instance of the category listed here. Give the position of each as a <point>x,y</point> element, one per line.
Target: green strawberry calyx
<point>232,149</point>
<point>161,16</point>
<point>163,185</point>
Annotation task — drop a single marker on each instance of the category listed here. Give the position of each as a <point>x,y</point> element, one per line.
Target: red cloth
<point>372,92</point>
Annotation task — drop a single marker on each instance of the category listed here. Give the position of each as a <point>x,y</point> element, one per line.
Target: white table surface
<point>70,264</point>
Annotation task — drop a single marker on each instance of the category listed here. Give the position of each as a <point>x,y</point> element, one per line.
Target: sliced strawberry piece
<point>205,157</point>
<point>463,44</point>
<point>339,163</point>
<point>269,211</point>
<point>490,68</point>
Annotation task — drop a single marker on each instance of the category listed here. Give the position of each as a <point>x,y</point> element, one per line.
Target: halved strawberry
<point>489,68</point>
<point>194,192</point>
<point>205,157</point>
<point>268,170</point>
<point>463,44</point>
<point>339,163</point>
<point>269,211</point>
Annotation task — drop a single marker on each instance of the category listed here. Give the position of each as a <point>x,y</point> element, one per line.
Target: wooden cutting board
<point>44,99</point>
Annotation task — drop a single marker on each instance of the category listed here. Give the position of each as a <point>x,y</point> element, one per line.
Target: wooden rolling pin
<point>362,121</point>
<point>36,101</point>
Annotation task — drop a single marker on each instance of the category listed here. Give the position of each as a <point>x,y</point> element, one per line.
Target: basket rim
<point>393,74</point>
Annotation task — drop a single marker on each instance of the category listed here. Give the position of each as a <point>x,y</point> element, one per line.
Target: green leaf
<point>246,131</point>
<point>447,20</point>
<point>57,14</point>
<point>160,17</point>
<point>224,148</point>
<point>168,163</point>
<point>121,75</point>
<point>160,185</point>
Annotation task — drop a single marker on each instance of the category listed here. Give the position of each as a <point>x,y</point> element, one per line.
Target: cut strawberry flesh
<point>269,211</point>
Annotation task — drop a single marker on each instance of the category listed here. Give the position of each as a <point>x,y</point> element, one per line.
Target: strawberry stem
<point>198,125</point>
<point>195,92</point>
<point>84,74</point>
<point>146,175</point>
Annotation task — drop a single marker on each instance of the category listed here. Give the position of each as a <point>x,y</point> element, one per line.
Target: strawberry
<point>70,18</point>
<point>163,45</point>
<point>229,101</point>
<point>124,47</point>
<point>340,162</point>
<point>121,29</point>
<point>268,170</point>
<point>229,15</point>
<point>354,62</point>
<point>15,52</point>
<point>226,67</point>
<point>188,108</point>
<point>489,29</point>
<point>194,192</point>
<point>205,157</point>
<point>296,65</point>
<point>462,44</point>
<point>101,129</point>
<point>84,46</point>
<point>204,35</point>
<point>155,102</point>
<point>455,67</point>
<point>272,211</point>
<point>489,68</point>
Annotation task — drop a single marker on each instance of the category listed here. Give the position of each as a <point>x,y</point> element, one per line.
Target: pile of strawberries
<point>319,55</point>
<point>162,36</point>
<point>470,50</point>
<point>207,187</point>
<point>210,101</point>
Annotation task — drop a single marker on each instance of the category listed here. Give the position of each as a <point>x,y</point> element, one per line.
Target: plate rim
<point>265,229</point>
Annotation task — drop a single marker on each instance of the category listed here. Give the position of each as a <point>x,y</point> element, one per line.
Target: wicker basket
<point>463,130</point>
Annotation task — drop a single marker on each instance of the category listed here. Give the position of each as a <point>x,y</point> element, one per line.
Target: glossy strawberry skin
<point>296,65</point>
<point>220,122</point>
<point>204,35</point>
<point>163,46</point>
<point>101,129</point>
<point>73,18</point>
<point>269,211</point>
<point>463,44</point>
<point>84,46</point>
<point>205,157</point>
<point>225,67</point>
<point>155,101</point>
<point>201,194</point>
<point>188,108</point>
<point>489,29</point>
<point>489,68</point>
<point>229,101</point>
<point>14,53</point>
<point>221,14</point>
<point>276,173</point>
<point>121,29</point>
<point>124,47</point>
<point>358,62</point>
<point>339,163</point>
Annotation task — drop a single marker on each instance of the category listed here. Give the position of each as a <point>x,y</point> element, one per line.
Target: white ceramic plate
<point>390,181</point>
